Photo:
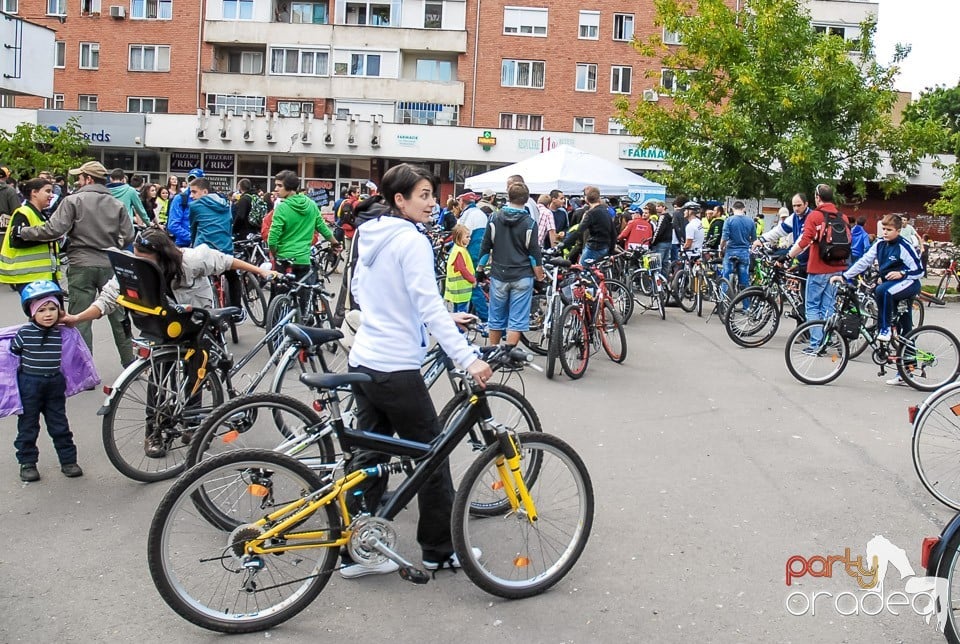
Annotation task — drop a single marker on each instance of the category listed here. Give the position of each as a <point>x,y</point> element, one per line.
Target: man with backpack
<point>248,210</point>
<point>826,232</point>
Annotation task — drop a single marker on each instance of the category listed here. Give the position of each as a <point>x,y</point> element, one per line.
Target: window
<point>589,25</point>
<point>89,7</point>
<point>671,37</point>
<point>220,103</point>
<point>10,6</point>
<point>56,103</point>
<point>427,113</point>
<point>670,82</point>
<point>434,70</point>
<point>140,105</point>
<point>614,126</point>
<point>583,124</point>
<point>237,9</point>
<point>87,103</point>
<point>623,26</point>
<point>308,13</point>
<point>294,109</point>
<point>60,54</point>
<point>524,21</point>
<point>89,55</point>
<point>364,64</point>
<point>521,121</point>
<point>298,62</point>
<point>56,7</point>
<point>149,58</point>
<point>432,15</point>
<point>586,77</point>
<point>151,9</point>
<point>522,73</point>
<point>830,30</point>
<point>368,13</point>
<point>620,78</point>
<point>245,62</point>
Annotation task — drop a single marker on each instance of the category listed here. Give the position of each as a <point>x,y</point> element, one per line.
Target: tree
<point>31,149</point>
<point>765,106</point>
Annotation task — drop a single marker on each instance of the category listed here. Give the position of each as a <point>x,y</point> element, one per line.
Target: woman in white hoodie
<point>395,287</point>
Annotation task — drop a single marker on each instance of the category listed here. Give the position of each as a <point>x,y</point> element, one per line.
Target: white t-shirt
<point>694,231</point>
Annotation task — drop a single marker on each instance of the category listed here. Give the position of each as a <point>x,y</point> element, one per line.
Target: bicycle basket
<point>848,326</point>
<point>651,261</point>
<point>566,289</point>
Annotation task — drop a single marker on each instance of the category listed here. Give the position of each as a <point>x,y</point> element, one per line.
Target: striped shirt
<point>39,349</point>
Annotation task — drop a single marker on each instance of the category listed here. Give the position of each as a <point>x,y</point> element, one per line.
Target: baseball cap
<point>489,192</point>
<point>92,168</point>
<point>4,172</point>
<point>468,195</point>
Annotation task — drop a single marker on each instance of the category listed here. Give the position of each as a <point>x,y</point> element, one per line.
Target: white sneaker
<point>896,380</point>
<point>452,562</point>
<point>884,335</point>
<point>359,570</point>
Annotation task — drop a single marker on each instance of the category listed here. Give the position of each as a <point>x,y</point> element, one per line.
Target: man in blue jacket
<point>211,223</point>
<point>178,213</point>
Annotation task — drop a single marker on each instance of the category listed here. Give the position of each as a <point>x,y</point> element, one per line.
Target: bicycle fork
<point>508,466</point>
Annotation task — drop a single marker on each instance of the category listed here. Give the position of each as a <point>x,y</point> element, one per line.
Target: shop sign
<point>635,152</point>
<point>184,162</point>
<point>223,185</point>
<point>408,140</point>
<point>544,143</point>
<point>218,162</point>
<point>100,129</point>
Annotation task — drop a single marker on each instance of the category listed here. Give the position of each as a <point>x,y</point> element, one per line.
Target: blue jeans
<point>46,395</point>
<point>479,301</point>
<point>821,301</point>
<point>888,294</point>
<point>595,255</point>
<point>663,249</point>
<point>743,270</point>
<point>461,307</point>
<point>510,304</point>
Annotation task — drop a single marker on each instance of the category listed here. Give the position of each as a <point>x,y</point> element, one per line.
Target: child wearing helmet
<point>43,352</point>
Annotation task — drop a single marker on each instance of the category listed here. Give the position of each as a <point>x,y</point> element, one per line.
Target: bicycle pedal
<point>414,575</point>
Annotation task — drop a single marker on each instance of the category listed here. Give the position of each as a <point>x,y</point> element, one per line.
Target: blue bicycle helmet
<point>196,173</point>
<point>37,290</point>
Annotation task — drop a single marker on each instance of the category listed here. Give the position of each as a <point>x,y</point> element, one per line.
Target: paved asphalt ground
<point>711,465</point>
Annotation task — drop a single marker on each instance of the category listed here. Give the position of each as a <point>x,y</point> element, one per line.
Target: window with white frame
<point>151,9</point>
<point>586,77</point>
<point>59,54</point>
<point>149,58</point>
<point>293,109</point>
<point>245,62</point>
<point>89,7</point>
<point>671,37</point>
<point>583,124</point>
<point>56,7</point>
<point>589,25</point>
<point>309,13</point>
<point>671,82</point>
<point>88,103</point>
<point>434,70</point>
<point>8,100</point>
<point>89,55</point>
<point>614,126</point>
<point>510,121</point>
<point>377,14</point>
<point>433,15</point>
<point>238,9</point>
<point>236,103</point>
<point>427,113</point>
<point>10,6</point>
<point>364,64</point>
<point>298,62</point>
<point>55,103</point>
<point>525,21</point>
<point>620,79</point>
<point>522,73</point>
<point>146,105</point>
<point>623,26</point>
<point>832,30</point>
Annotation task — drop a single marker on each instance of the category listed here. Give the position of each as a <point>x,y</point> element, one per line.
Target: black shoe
<point>71,470</point>
<point>153,447</point>
<point>29,473</point>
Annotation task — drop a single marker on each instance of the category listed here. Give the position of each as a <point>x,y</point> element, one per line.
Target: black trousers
<point>233,289</point>
<point>398,402</point>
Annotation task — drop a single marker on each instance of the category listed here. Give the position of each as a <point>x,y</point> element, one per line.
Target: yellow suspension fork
<point>508,465</point>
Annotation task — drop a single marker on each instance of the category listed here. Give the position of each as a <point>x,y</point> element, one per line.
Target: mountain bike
<point>754,314</point>
<point>545,308</point>
<point>309,302</point>
<point>952,271</point>
<point>588,322</point>
<point>818,351</point>
<point>246,540</point>
<point>251,250</point>
<point>619,291</point>
<point>647,283</point>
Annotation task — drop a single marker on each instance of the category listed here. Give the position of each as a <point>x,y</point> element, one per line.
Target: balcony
<point>240,32</point>
<point>353,88</point>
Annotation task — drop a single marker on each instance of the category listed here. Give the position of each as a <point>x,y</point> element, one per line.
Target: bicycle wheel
<point>752,318</point>
<point>510,409</point>
<point>278,309</point>
<point>519,557</point>
<point>820,363</point>
<point>202,572</point>
<point>574,342</point>
<point>534,338</point>
<point>622,299</point>
<point>253,299</point>
<point>947,570</point>
<point>642,282</point>
<point>859,344</point>
<point>699,286</point>
<point>928,358</point>
<point>682,289</point>
<point>155,397</point>
<point>612,337</point>
<point>942,286</point>
<point>661,295</point>
<point>936,443</point>
<point>286,379</point>
<point>555,339</point>
<point>329,261</point>
<point>917,313</point>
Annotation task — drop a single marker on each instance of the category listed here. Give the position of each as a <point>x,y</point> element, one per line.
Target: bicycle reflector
<point>912,413</point>
<point>231,436</point>
<point>257,490</point>
<point>318,405</point>
<point>143,352</point>
<point>521,562</point>
<point>928,545</point>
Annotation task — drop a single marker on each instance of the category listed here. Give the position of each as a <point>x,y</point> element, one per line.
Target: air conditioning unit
<point>118,12</point>
<point>651,95</point>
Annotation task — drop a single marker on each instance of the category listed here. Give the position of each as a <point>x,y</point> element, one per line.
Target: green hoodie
<point>130,199</point>
<point>295,221</point>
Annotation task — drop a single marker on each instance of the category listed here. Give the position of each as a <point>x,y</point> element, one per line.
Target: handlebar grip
<point>520,355</point>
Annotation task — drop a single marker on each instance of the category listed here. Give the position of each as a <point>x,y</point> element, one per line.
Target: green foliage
<point>769,106</point>
<point>31,149</point>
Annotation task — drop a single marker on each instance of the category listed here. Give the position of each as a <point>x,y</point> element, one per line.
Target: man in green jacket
<point>129,197</point>
<point>295,221</point>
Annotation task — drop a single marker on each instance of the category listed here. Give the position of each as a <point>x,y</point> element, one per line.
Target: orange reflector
<point>912,413</point>
<point>231,436</point>
<point>257,490</point>
<point>497,485</point>
<point>318,405</point>
<point>928,545</point>
<point>956,409</point>
<point>833,358</point>
<point>521,562</point>
<point>143,352</point>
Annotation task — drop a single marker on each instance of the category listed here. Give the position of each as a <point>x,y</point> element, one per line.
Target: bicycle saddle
<point>332,380</point>
<point>218,316</point>
<point>559,261</point>
<point>309,336</point>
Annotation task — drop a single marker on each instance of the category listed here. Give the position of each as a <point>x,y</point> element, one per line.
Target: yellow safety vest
<point>458,289</point>
<point>25,265</point>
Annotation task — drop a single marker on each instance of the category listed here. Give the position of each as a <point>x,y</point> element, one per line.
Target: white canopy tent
<point>568,169</point>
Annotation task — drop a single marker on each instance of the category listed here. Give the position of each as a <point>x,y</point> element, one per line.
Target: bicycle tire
<point>574,342</point>
<point>278,309</point>
<point>555,340</point>
<point>622,299</point>
<point>153,393</point>
<point>613,339</point>
<point>329,261</point>
<point>942,285</point>
<point>534,338</point>
<point>516,414</point>
<point>253,299</point>
<point>698,288</point>
<point>661,295</point>
<point>922,351</point>
<point>682,290</point>
<point>184,551</point>
<point>293,364</point>
<point>832,354</point>
<point>935,444</point>
<point>559,531</point>
<point>757,323</point>
<point>917,313</point>
<point>859,344</point>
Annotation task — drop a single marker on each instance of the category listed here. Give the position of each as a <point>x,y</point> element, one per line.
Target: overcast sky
<point>930,26</point>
